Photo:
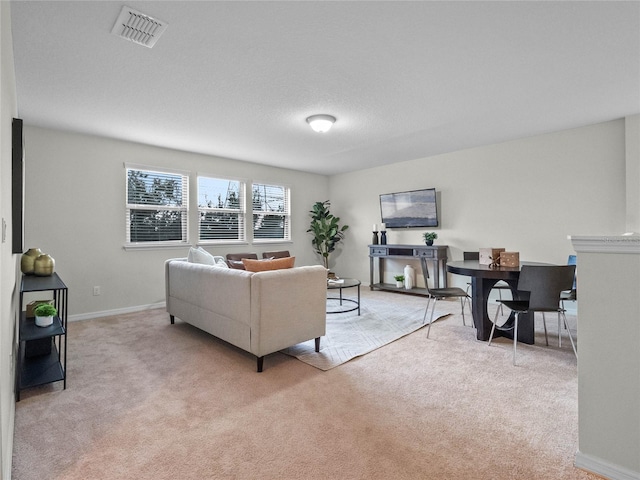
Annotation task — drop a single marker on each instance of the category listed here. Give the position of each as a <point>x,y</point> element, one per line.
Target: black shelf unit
<point>42,351</point>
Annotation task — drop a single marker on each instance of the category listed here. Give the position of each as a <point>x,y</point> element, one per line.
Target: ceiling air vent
<point>138,28</point>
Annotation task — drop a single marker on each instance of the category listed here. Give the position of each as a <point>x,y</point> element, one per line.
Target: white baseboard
<point>604,468</point>
<point>117,311</point>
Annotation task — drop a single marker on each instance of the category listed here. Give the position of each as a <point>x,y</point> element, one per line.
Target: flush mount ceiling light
<point>321,123</point>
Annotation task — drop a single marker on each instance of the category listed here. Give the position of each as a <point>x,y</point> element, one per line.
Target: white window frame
<point>286,213</point>
<point>183,208</point>
<point>241,211</point>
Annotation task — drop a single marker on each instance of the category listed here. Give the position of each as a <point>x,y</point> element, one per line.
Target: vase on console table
<point>28,260</point>
<point>44,265</point>
<point>409,276</point>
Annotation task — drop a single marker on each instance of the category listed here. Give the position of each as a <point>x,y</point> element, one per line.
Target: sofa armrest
<point>287,307</point>
<point>167,278</point>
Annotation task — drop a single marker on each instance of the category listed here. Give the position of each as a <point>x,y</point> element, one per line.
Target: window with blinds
<point>221,210</point>
<point>271,208</point>
<point>157,206</point>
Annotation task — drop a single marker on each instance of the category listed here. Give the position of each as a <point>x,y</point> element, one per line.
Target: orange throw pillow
<point>263,265</point>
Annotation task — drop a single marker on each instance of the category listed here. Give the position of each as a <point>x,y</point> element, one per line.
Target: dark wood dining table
<point>483,278</point>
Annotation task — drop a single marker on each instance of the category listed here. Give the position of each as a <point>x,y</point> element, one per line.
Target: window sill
<point>272,242</point>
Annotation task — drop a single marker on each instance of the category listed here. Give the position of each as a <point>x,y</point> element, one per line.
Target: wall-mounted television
<point>416,208</point>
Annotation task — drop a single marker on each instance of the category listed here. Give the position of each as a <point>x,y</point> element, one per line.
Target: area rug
<point>349,335</point>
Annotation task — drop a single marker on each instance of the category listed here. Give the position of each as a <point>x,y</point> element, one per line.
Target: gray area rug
<point>349,335</point>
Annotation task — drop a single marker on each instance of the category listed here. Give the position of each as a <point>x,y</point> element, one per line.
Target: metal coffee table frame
<point>347,283</point>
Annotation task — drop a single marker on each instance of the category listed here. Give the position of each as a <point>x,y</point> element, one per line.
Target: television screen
<point>416,208</point>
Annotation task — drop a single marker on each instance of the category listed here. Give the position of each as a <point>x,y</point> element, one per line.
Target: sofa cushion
<point>220,262</point>
<point>201,256</point>
<point>268,264</point>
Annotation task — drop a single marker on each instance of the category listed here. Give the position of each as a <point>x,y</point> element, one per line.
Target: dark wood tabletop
<point>472,268</point>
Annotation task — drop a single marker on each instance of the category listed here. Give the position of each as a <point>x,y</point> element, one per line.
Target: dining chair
<point>234,260</point>
<point>470,256</point>
<point>277,254</point>
<point>539,288</point>
<point>568,295</point>
<point>439,294</point>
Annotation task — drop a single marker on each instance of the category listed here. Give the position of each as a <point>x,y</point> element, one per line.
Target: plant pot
<point>429,242</point>
<point>399,284</point>
<point>44,321</point>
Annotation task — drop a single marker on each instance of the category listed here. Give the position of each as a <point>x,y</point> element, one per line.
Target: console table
<point>436,254</point>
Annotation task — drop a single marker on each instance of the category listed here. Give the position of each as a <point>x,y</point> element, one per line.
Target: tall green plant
<point>326,230</point>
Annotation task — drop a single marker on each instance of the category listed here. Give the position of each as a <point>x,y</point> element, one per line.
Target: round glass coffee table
<point>351,304</point>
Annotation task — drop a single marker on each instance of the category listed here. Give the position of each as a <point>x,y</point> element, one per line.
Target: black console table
<point>436,254</point>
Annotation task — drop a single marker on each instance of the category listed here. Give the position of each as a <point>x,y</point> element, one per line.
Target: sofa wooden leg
<point>260,363</point>
<point>317,344</point>
<point>173,319</point>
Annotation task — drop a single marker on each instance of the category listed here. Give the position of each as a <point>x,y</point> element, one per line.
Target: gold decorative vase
<point>27,262</point>
<point>44,265</point>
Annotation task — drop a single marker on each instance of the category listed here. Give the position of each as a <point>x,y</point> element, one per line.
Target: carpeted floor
<point>150,400</point>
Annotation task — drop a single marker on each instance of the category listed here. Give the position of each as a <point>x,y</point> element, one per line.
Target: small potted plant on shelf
<point>44,314</point>
<point>399,280</point>
<point>429,237</point>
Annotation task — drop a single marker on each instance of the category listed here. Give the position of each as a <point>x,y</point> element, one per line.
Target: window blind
<point>221,209</point>
<point>271,208</point>
<point>157,205</point>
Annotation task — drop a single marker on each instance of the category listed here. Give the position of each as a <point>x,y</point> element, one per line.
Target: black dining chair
<point>539,289</point>
<point>276,254</point>
<point>568,295</point>
<point>440,294</point>
<point>470,256</point>
<point>234,260</point>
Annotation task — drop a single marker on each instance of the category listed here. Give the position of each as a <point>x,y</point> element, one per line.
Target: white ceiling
<point>405,80</point>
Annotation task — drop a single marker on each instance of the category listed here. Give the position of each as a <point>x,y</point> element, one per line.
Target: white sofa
<point>260,312</point>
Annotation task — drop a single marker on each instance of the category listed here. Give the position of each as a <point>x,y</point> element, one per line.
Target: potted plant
<point>326,231</point>
<point>44,314</point>
<point>429,237</point>
<point>399,280</point>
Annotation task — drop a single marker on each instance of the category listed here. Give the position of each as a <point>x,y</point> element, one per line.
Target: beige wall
<point>8,263</point>
<point>526,195</point>
<point>75,194</point>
